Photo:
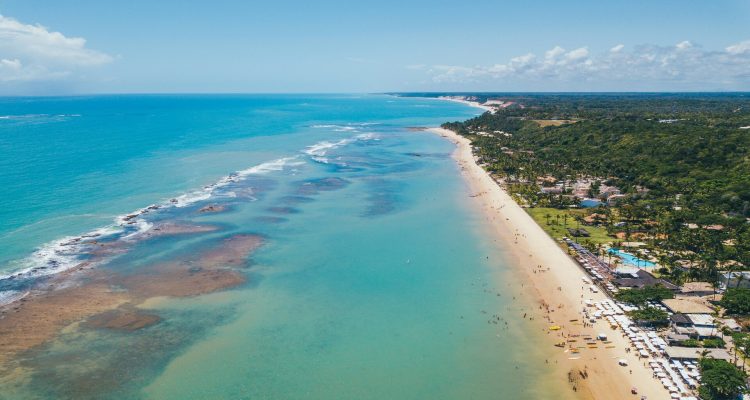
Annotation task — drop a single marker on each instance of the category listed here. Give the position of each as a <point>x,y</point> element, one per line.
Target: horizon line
<point>464,92</point>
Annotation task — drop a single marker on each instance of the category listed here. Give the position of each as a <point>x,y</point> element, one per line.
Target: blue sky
<point>104,46</point>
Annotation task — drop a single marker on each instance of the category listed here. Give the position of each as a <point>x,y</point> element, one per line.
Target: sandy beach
<point>554,282</point>
<point>474,104</point>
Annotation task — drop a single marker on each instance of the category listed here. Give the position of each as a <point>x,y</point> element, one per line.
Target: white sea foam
<point>367,136</point>
<point>275,165</point>
<point>141,226</point>
<point>9,296</point>
<point>318,151</point>
<point>28,116</point>
<point>351,127</point>
<point>68,252</point>
<point>336,128</point>
<point>51,258</point>
<point>191,198</point>
<point>321,148</point>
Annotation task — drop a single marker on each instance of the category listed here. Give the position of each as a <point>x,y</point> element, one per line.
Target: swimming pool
<point>589,203</point>
<point>630,259</point>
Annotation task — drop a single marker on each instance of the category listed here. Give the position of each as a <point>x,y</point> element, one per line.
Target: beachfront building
<point>704,325</point>
<point>687,305</point>
<point>735,279</point>
<point>582,188</point>
<point>695,354</point>
<point>612,200</point>
<point>605,192</point>
<point>675,339</point>
<point>731,324</point>
<point>694,326</point>
<point>640,278</point>
<point>558,189</point>
<point>697,289</point>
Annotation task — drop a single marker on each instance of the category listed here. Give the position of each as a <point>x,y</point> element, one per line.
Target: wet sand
<point>553,280</point>
<point>104,298</point>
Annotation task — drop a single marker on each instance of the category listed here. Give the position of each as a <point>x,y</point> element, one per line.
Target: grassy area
<point>557,227</point>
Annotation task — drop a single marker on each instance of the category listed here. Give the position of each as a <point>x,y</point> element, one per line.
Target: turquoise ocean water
<point>375,280</point>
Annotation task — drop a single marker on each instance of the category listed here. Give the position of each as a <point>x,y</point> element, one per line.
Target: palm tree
<point>742,344</point>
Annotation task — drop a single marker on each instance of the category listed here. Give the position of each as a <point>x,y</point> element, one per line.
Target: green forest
<point>681,161</point>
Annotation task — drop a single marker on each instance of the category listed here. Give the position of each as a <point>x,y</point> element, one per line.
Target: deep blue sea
<point>374,281</point>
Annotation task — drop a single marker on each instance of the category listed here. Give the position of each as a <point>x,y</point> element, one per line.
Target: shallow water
<point>374,280</point>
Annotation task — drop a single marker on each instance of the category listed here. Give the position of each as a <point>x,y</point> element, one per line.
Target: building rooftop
<point>731,324</point>
<point>702,320</point>
<point>692,353</point>
<point>697,287</point>
<point>680,319</point>
<point>686,306</point>
<point>632,244</point>
<point>642,279</point>
<point>706,332</point>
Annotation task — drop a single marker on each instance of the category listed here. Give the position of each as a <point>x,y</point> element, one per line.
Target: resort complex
<point>668,248</point>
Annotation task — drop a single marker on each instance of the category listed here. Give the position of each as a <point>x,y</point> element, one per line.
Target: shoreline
<point>469,103</point>
<point>557,287</point>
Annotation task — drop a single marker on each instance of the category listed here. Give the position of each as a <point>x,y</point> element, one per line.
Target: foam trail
<point>351,127</point>
<point>318,151</point>
<point>321,148</point>
<point>71,252</point>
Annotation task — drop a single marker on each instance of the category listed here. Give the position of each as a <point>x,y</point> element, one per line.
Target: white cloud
<point>552,54</point>
<point>684,45</point>
<point>33,53</point>
<point>739,48</point>
<point>10,64</point>
<point>577,54</point>
<point>683,65</point>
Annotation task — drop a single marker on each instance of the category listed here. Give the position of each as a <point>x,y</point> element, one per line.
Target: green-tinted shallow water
<point>375,282</point>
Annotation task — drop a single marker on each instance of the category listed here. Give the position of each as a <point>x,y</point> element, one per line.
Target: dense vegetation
<point>651,316</point>
<point>720,380</point>
<point>641,296</point>
<point>736,301</point>
<point>682,162</point>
